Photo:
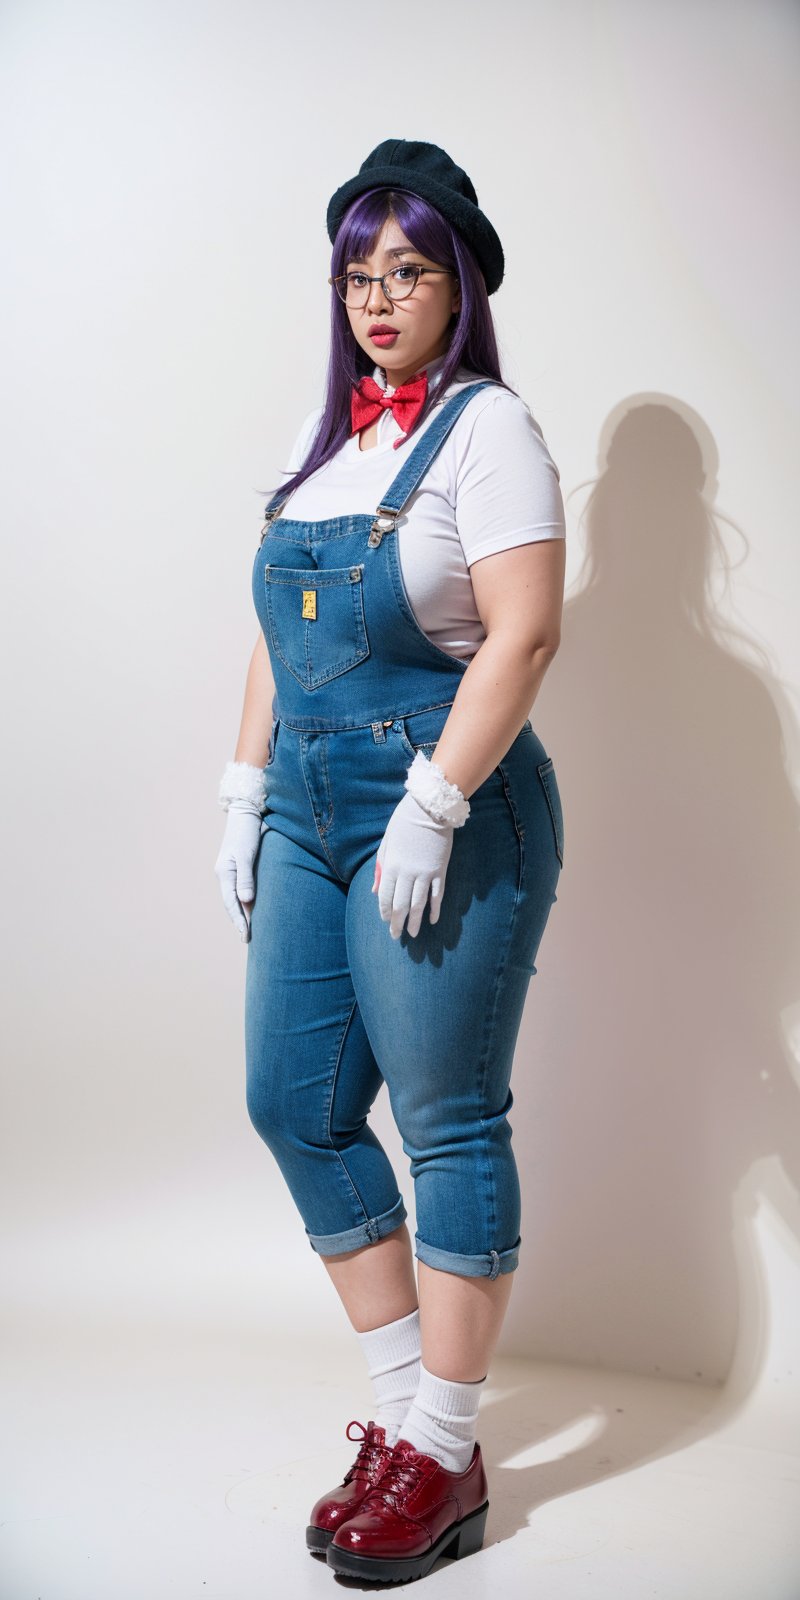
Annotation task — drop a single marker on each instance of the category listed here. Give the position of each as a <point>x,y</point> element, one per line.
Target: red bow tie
<point>367,401</point>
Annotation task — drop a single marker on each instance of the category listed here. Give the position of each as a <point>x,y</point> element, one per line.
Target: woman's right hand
<point>234,864</point>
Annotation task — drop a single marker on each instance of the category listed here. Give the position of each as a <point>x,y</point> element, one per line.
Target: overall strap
<point>414,469</point>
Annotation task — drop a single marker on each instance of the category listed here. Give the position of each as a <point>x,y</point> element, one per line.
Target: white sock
<point>393,1358</point>
<point>443,1420</point>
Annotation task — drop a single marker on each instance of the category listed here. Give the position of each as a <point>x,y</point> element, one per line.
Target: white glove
<point>411,863</point>
<point>234,864</point>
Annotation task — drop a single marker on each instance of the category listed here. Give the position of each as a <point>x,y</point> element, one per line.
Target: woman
<point>395,832</point>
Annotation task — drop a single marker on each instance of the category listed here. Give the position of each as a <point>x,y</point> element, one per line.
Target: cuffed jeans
<point>335,1006</point>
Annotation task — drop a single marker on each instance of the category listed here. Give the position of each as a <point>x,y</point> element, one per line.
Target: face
<point>419,322</point>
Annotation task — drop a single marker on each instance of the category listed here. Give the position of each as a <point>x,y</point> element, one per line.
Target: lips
<point>381,327</point>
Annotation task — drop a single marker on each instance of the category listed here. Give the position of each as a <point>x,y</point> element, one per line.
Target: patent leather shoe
<point>416,1512</point>
<point>331,1509</point>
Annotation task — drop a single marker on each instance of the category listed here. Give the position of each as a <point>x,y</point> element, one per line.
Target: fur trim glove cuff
<point>241,781</point>
<point>442,800</point>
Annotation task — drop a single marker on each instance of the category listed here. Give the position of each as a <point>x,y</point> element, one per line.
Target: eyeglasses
<point>353,287</point>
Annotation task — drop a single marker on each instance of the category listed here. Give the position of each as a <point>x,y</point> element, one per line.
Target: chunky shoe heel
<point>469,1537</point>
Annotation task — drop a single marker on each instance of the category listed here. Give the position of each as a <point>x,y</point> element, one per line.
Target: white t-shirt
<point>493,485</point>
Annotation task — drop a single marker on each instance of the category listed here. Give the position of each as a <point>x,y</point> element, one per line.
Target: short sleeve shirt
<point>492,486</point>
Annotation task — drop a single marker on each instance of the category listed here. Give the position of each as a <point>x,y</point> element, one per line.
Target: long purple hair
<point>473,343</point>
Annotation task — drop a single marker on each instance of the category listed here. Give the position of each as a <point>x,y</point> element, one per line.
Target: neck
<point>391,378</point>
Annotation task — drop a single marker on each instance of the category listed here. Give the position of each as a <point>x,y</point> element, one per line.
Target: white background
<point>166,174</point>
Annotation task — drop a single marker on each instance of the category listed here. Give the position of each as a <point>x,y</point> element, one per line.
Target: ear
<point>456,306</point>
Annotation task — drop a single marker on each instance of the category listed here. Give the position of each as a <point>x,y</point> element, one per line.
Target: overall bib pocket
<point>316,620</point>
<point>547,774</point>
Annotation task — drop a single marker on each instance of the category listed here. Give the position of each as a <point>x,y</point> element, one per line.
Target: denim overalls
<point>334,1005</point>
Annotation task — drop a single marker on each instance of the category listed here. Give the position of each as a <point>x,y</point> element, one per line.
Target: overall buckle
<point>269,518</point>
<point>385,522</point>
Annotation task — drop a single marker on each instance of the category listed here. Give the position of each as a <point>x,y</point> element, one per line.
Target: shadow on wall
<point>653,1078</point>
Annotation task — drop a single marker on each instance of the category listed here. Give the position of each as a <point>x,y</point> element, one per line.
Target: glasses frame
<point>381,277</point>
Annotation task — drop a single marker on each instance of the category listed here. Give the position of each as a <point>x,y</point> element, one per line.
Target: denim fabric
<point>334,1006</point>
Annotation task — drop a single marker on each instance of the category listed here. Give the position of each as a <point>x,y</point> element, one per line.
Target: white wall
<point>638,162</point>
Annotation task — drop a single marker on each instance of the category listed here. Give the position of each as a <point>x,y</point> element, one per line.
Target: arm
<point>507,489</point>
<point>235,863</point>
<point>519,594</point>
<point>254,730</point>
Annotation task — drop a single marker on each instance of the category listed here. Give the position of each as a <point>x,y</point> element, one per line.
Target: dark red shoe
<point>332,1509</point>
<point>416,1512</point>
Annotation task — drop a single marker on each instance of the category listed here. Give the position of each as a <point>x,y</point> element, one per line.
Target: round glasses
<point>353,287</point>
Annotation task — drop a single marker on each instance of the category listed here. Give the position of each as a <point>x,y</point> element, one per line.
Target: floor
<point>141,1462</point>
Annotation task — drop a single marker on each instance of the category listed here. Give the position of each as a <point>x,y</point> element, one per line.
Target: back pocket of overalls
<point>316,620</point>
<point>547,773</point>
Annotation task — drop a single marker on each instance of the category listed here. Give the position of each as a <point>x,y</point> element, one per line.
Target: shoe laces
<point>401,1477</point>
<point>370,1453</point>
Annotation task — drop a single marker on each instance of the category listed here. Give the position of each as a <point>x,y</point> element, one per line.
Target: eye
<point>404,274</point>
<point>357,278</point>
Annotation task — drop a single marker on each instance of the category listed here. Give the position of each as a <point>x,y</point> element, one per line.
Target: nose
<point>377,300</point>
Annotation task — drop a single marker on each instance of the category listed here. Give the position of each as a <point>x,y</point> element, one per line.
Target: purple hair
<point>473,343</point>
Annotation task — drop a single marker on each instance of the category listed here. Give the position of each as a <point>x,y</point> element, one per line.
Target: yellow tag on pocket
<point>310,603</point>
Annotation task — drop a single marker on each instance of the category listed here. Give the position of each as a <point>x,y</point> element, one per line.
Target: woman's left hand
<point>411,864</point>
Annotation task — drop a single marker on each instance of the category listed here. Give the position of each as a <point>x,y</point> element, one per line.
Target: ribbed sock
<point>443,1420</point>
<point>393,1360</point>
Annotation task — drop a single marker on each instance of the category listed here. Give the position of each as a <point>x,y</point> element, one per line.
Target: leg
<point>442,1012</point>
<point>378,1290</point>
<point>461,1319</point>
<point>311,1080</point>
<point>376,1284</point>
<point>311,1073</point>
